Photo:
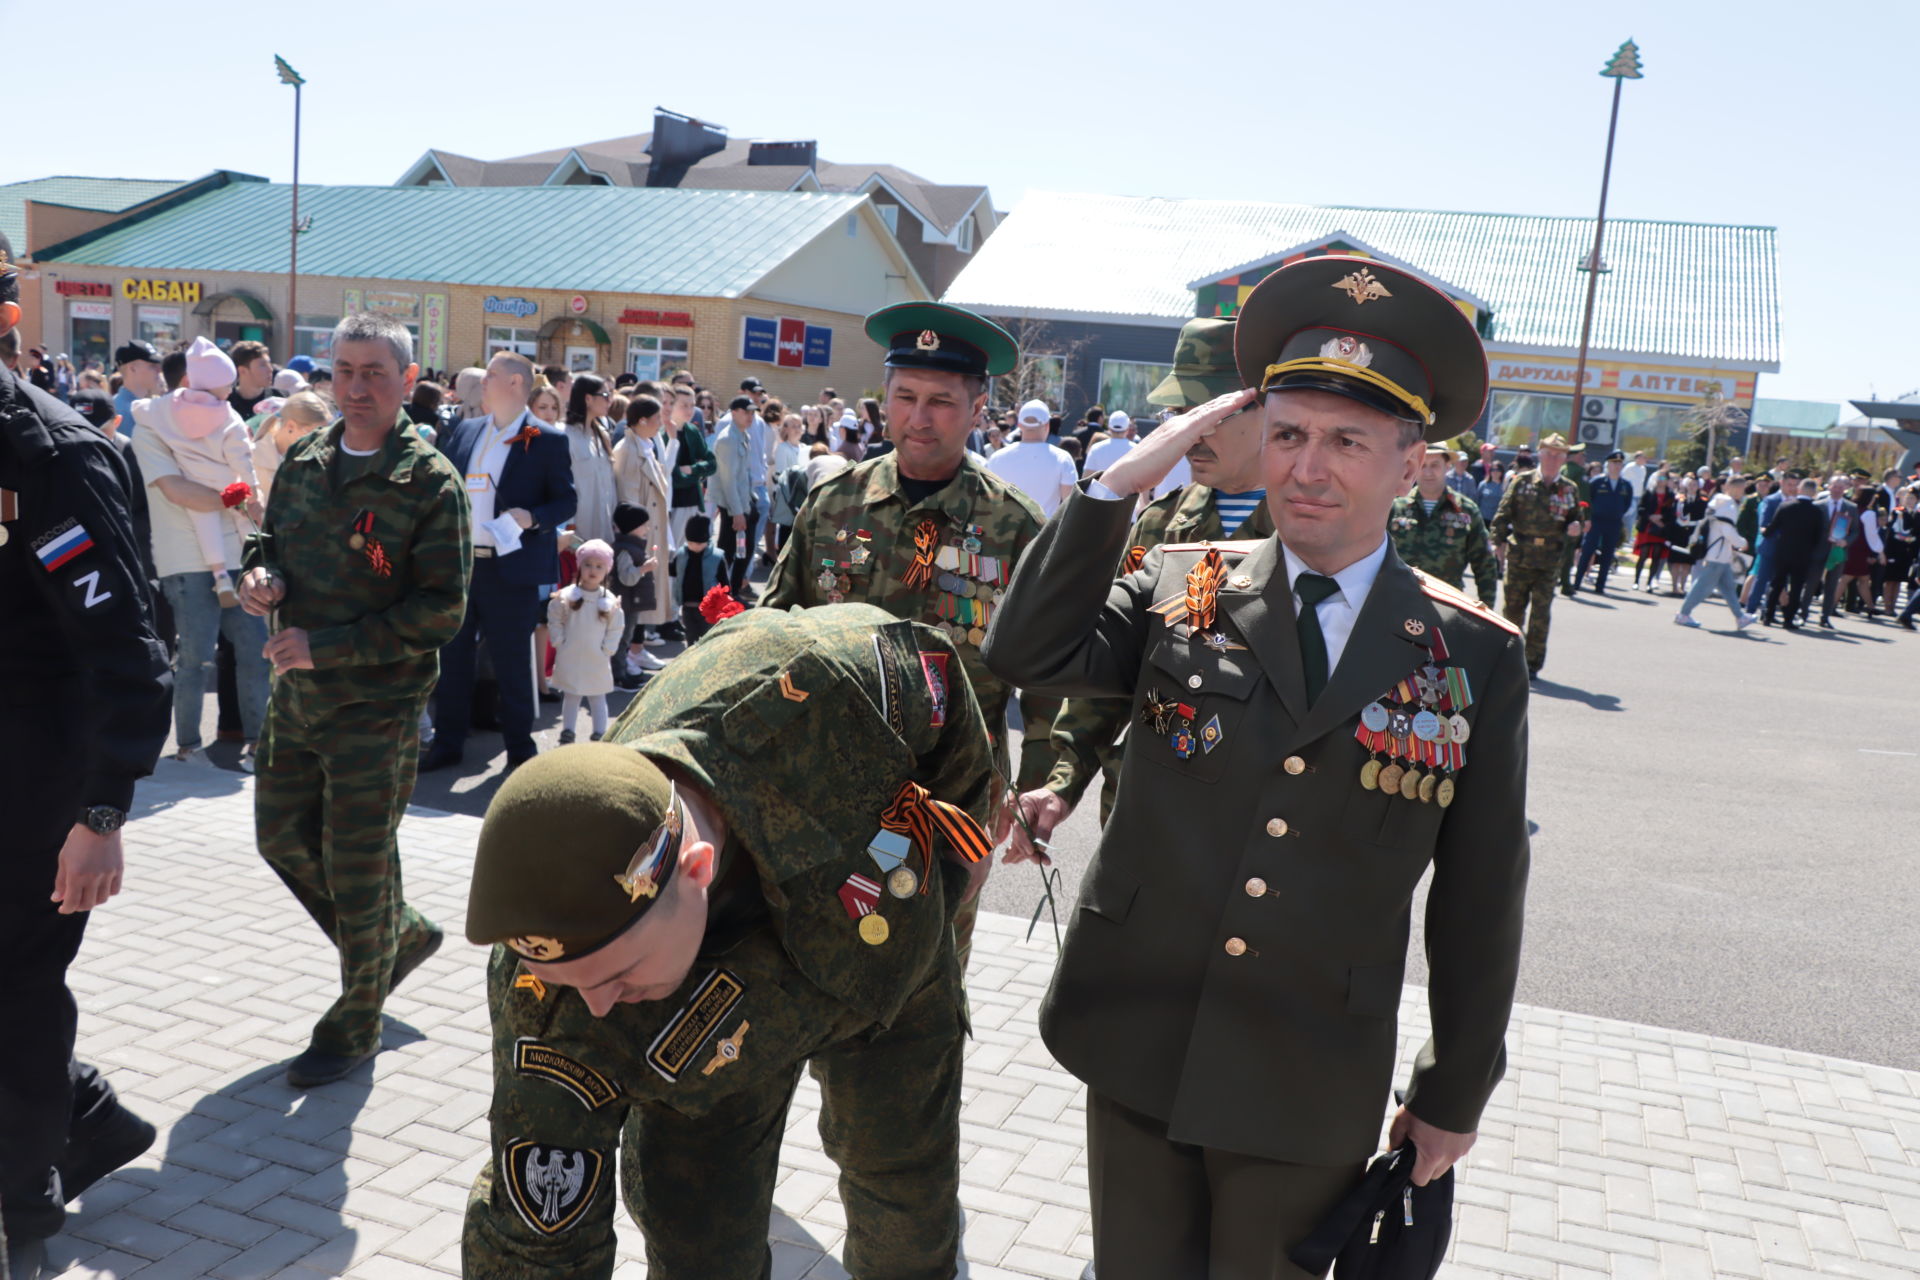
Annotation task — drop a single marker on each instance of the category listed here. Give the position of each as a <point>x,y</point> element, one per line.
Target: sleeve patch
<point>532,1058</point>
<point>58,546</point>
<point>551,1186</point>
<point>688,1029</point>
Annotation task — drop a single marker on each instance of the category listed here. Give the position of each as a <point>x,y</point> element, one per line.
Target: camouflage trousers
<point>1529,600</point>
<point>331,784</point>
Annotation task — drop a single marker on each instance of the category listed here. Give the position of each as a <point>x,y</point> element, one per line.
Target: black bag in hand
<point>1386,1228</point>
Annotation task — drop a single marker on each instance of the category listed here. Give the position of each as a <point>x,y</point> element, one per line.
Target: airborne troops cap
<point>576,846</point>
<point>1358,328</point>
<point>932,335</point>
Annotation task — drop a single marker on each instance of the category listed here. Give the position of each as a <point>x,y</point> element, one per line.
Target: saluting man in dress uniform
<point>1225,500</point>
<point>1437,531</point>
<point>687,916</point>
<point>1318,723</point>
<point>1539,514</point>
<point>926,531</point>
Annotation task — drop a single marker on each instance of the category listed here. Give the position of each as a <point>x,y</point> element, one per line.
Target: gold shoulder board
<point>1446,593</point>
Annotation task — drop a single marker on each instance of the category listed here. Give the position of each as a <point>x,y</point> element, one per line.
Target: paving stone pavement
<point>1611,1149</point>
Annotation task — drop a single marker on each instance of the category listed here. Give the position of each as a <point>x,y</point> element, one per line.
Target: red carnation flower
<point>236,494</point>
<point>718,605</point>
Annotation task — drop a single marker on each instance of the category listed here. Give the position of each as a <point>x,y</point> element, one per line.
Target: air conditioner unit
<point>1592,432</point>
<point>1599,408</point>
<point>1598,420</point>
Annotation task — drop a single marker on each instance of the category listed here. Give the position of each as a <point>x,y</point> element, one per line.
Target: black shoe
<point>439,756</point>
<point>411,960</point>
<point>549,695</point>
<point>517,758</point>
<point>26,1258</point>
<point>1827,623</point>
<point>1533,673</point>
<point>566,737</point>
<point>1906,620</point>
<point>315,1068</point>
<point>628,682</point>
<point>96,1150</point>
<point>595,737</point>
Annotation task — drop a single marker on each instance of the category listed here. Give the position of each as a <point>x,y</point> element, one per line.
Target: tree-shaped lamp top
<point>1625,64</point>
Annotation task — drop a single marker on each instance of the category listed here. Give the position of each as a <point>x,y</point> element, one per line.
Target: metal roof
<point>1695,290</point>
<point>109,195</point>
<point>604,239</point>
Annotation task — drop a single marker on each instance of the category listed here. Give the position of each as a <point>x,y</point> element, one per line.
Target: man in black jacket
<point>1800,547</point>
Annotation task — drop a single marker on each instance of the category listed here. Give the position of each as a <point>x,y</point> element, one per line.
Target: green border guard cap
<point>933,335</point>
<point>1203,366</point>
<point>577,845</point>
<point>1358,328</point>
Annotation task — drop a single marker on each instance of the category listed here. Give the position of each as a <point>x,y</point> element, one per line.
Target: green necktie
<point>1312,588</point>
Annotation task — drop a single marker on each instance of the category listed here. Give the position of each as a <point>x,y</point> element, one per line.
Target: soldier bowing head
<point>621,915</point>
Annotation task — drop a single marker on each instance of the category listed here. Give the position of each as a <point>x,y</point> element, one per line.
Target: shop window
<point>90,334</point>
<point>1653,427</point>
<point>313,336</point>
<point>654,359</point>
<point>1124,384</point>
<point>1519,418</point>
<point>524,342</point>
<point>160,326</point>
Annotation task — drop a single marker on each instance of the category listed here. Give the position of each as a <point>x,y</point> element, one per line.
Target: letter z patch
<point>532,1058</point>
<point>551,1187</point>
<point>680,1040</point>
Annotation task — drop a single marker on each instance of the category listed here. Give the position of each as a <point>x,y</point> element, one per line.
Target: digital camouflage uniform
<point>1087,732</point>
<point>1531,522</point>
<point>341,742</point>
<point>1445,542</point>
<point>867,499</point>
<point>693,1089</point>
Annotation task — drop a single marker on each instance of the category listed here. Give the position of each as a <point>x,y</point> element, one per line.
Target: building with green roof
<point>1683,309</point>
<point>732,283</point>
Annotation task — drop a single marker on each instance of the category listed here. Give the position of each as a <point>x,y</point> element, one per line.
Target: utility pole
<point>289,76</point>
<point>1625,66</point>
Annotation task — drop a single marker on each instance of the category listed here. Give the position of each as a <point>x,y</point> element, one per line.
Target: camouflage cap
<point>1203,365</point>
<point>575,847</point>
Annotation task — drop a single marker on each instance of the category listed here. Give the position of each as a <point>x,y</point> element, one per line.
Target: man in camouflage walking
<point>1227,499</point>
<point>1439,532</point>
<point>756,873</point>
<point>362,571</point>
<point>1537,516</point>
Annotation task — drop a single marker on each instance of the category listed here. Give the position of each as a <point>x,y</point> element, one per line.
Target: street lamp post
<point>289,76</point>
<point>1625,66</point>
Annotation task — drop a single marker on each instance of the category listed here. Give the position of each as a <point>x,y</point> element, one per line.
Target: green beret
<point>575,847</point>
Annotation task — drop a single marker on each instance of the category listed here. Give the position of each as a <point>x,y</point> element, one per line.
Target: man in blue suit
<point>520,483</point>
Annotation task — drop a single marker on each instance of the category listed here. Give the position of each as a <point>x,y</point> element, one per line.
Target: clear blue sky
<point>1765,113</point>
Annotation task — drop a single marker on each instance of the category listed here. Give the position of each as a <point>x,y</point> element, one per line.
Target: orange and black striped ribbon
<point>1136,556</point>
<point>926,540</point>
<point>916,814</point>
<point>1203,590</point>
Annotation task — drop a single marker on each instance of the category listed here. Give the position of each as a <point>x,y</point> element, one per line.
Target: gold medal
<point>3,535</point>
<point>1390,778</point>
<point>901,884</point>
<point>1443,795</point>
<point>357,541</point>
<point>977,637</point>
<point>1370,775</point>
<point>873,929</point>
<point>1410,785</point>
<point>1427,787</point>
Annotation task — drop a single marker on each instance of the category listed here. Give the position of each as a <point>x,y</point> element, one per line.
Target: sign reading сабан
<point>160,290</point>
<point>786,342</point>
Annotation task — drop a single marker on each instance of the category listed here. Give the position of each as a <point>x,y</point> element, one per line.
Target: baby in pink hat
<point>210,445</point>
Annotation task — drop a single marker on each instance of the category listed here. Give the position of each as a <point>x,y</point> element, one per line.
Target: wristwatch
<point>103,819</point>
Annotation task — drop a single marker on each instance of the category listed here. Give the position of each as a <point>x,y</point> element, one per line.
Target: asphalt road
<point>1722,837</point>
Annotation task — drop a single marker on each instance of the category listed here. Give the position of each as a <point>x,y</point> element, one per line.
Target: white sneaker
<point>1747,621</point>
<point>195,756</point>
<point>1681,619</point>
<point>652,641</point>
<point>246,758</point>
<point>647,662</point>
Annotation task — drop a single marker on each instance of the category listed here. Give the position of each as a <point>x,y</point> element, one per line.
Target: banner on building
<point>433,331</point>
<point>786,342</point>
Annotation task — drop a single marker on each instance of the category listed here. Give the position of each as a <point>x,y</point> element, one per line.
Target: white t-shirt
<point>176,549</point>
<point>1108,452</point>
<point>1038,470</point>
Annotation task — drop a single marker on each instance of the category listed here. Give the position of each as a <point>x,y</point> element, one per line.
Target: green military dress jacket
<point>1234,967</point>
<point>1086,732</point>
<point>802,733</point>
<point>376,554</point>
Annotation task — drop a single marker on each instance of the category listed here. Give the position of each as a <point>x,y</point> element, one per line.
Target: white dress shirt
<point>1338,611</point>
<point>489,459</point>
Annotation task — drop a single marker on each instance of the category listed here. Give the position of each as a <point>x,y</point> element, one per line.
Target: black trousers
<point>736,546</point>
<point>1802,581</point>
<point>44,1092</point>
<point>1164,1209</point>
<point>506,613</point>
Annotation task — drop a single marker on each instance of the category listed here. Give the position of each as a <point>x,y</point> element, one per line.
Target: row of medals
<point>1410,721</point>
<point>973,585</point>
